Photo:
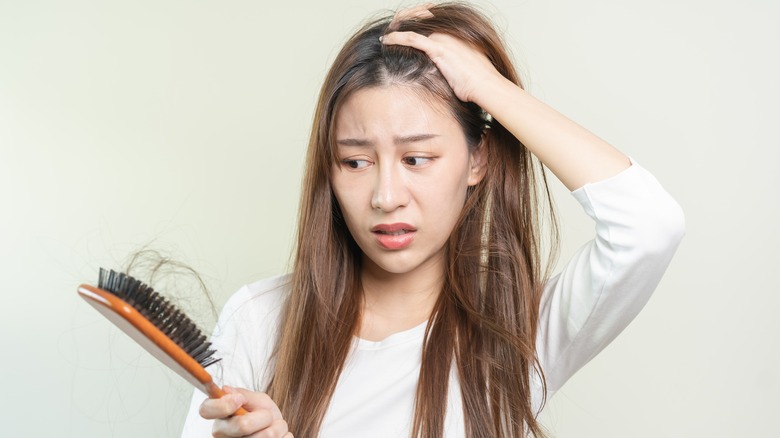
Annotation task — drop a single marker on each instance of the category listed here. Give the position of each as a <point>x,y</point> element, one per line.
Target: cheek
<point>445,200</point>
<point>339,186</point>
<point>451,186</point>
<point>348,198</point>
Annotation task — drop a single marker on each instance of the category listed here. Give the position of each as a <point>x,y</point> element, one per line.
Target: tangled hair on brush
<point>181,283</point>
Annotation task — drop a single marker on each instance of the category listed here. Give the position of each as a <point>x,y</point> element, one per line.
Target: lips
<point>393,228</point>
<point>394,236</point>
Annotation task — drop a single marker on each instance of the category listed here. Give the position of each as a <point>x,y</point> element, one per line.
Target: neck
<point>395,302</point>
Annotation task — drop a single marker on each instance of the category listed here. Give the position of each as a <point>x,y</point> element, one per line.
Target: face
<point>403,170</point>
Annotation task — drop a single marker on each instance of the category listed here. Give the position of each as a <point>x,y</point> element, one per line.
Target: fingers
<point>411,39</point>
<point>256,424</point>
<point>222,407</point>
<point>467,69</point>
<point>414,13</point>
<point>256,401</point>
<point>277,430</point>
<point>264,419</point>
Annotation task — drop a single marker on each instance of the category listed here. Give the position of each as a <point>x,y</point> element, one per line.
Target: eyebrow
<point>396,140</point>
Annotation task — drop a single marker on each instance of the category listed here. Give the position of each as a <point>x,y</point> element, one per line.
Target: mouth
<point>394,236</point>
<point>396,229</point>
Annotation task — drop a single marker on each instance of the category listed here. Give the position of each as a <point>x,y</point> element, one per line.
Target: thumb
<point>256,401</point>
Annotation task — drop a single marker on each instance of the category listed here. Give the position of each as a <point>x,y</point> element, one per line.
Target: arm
<point>572,153</point>
<point>609,279</point>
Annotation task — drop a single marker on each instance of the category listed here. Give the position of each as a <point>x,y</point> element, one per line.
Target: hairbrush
<point>157,325</point>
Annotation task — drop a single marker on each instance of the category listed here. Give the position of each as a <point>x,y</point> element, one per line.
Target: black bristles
<point>160,312</point>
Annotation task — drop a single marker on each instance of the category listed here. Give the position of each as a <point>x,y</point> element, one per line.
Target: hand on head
<point>467,70</point>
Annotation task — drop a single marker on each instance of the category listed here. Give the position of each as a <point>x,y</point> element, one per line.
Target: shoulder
<point>254,309</point>
<point>257,301</point>
<point>246,332</point>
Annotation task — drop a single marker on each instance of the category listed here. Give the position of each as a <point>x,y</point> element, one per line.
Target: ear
<point>478,162</point>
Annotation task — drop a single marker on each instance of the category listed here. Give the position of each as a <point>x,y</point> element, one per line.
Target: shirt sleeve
<point>608,281</point>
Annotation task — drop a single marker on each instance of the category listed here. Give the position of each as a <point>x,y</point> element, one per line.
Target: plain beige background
<point>182,124</point>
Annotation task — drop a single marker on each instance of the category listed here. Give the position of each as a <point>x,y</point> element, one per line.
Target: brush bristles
<point>160,312</point>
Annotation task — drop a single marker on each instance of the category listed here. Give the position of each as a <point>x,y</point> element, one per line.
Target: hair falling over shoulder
<point>495,273</point>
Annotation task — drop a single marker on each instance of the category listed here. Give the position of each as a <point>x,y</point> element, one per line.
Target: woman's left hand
<point>466,69</point>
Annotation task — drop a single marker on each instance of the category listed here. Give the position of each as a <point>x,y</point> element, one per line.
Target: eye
<point>355,163</point>
<point>416,161</point>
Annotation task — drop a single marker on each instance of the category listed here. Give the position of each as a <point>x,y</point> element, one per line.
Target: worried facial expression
<point>401,179</point>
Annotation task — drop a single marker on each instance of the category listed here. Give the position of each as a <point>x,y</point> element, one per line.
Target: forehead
<point>394,108</point>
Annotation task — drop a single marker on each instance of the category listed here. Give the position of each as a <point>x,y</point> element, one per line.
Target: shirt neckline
<point>413,334</point>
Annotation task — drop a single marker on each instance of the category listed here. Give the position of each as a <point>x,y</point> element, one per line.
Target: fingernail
<point>380,39</point>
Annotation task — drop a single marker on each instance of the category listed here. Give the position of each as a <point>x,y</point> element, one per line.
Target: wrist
<point>494,93</point>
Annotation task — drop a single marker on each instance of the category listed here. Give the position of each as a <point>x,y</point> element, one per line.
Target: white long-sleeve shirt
<point>584,307</point>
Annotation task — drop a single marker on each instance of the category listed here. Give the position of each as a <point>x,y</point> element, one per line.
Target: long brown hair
<point>485,319</point>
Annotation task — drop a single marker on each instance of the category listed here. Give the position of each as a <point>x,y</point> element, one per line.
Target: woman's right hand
<point>263,417</point>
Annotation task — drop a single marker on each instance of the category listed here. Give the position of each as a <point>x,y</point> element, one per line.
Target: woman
<point>418,304</point>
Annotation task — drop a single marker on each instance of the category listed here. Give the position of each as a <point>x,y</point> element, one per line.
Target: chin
<point>398,263</point>
<point>397,268</point>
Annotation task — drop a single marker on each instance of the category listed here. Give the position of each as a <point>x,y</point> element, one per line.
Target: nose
<point>390,190</point>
